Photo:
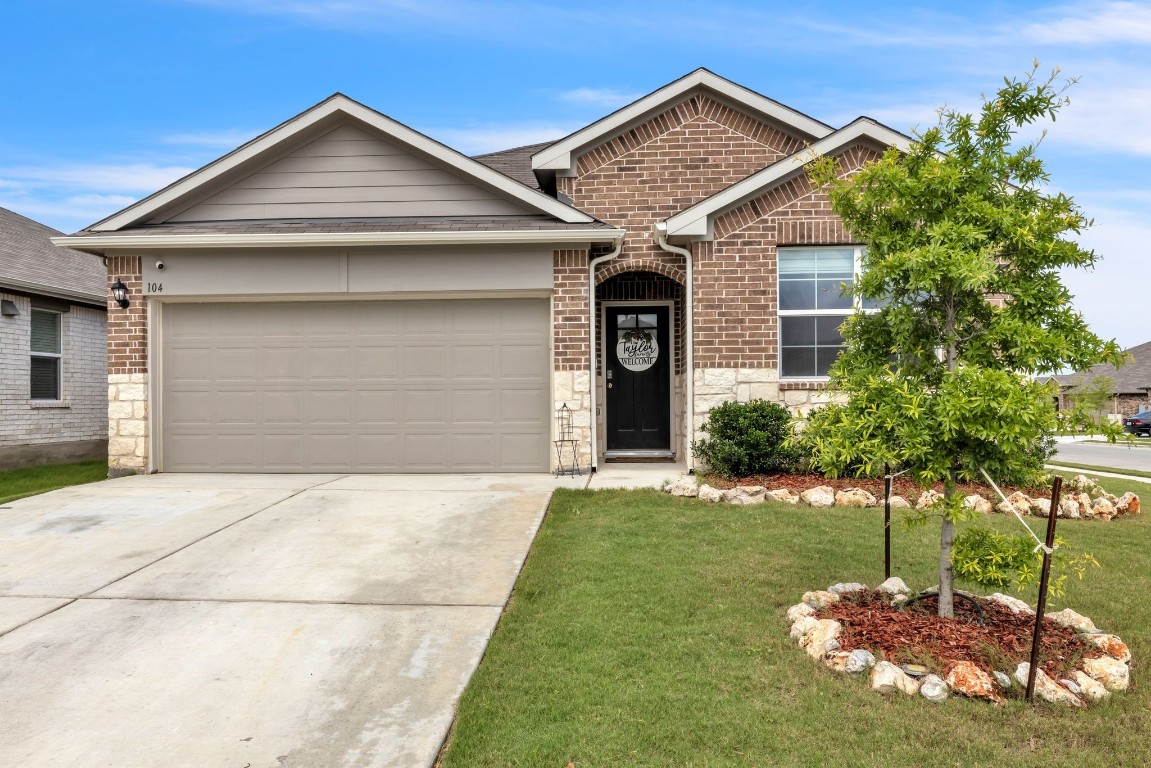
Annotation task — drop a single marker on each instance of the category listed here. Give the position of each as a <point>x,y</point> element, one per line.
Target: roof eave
<point>54,292</point>
<point>100,244</point>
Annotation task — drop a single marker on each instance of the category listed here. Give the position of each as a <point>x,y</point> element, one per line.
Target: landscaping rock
<point>886,677</point>
<point>1081,483</point>
<point>854,497</point>
<point>798,611</point>
<point>1003,680</point>
<point>1128,504</point>
<point>846,588</point>
<point>933,688</point>
<point>1069,618</point>
<point>784,495</point>
<point>1069,508</point>
<point>1110,645</point>
<point>707,493</point>
<point>1046,688</point>
<point>820,599</point>
<point>894,586</point>
<point>1071,685</point>
<point>1085,509</point>
<point>822,638</point>
<point>1103,509</point>
<point>1021,501</point>
<point>1112,673</point>
<point>685,486</point>
<point>822,496</point>
<point>1004,508</point>
<point>859,661</point>
<point>898,502</point>
<point>740,493</point>
<point>967,679</point>
<point>801,627</point>
<point>978,503</point>
<point>1091,687</point>
<point>1041,507</point>
<point>837,661</point>
<point>928,499</point>
<point>1014,603</point>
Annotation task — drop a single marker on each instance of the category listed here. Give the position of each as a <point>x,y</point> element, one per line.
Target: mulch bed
<point>917,635</point>
<point>900,486</point>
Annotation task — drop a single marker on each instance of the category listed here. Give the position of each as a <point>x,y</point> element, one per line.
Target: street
<point>1118,456</point>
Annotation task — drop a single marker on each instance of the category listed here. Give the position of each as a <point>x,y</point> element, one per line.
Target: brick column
<point>127,372</point>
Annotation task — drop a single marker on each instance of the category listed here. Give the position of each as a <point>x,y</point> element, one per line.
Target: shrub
<point>748,439</point>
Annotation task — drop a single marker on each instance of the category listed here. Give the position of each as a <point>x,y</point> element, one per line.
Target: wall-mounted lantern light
<point>8,308</point>
<point>120,294</point>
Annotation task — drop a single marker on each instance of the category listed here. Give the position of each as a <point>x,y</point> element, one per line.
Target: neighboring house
<point>344,294</point>
<point>53,396</point>
<point>1131,392</point>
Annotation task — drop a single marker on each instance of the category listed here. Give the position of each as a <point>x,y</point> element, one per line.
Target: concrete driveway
<point>252,620</point>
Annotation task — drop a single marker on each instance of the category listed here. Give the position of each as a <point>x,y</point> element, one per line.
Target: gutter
<point>97,244</point>
<point>659,234</point>
<point>592,342</point>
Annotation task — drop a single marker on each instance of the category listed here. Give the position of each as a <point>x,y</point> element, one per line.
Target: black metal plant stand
<point>566,444</point>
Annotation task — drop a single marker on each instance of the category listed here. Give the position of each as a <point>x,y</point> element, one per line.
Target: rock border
<point>1085,499</point>
<point>1095,681</point>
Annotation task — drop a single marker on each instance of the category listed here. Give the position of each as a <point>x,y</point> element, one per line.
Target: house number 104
<point>155,287</point>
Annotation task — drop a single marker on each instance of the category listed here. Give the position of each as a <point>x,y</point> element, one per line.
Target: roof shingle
<point>29,262</point>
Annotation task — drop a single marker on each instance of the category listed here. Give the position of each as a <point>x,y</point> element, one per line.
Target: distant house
<point>1132,390</point>
<point>53,350</point>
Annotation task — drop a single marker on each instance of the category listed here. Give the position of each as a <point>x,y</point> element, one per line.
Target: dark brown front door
<point>637,358</point>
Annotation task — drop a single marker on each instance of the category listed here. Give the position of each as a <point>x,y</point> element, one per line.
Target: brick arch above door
<point>616,268</point>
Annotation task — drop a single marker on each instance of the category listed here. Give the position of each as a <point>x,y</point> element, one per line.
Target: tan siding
<point>349,173</point>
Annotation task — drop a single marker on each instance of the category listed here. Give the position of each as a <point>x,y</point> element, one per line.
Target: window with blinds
<point>46,354</point>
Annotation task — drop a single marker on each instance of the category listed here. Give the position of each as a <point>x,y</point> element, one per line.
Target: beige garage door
<point>380,386</point>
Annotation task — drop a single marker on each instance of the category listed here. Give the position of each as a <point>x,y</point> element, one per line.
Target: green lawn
<point>18,483</point>
<point>648,630</point>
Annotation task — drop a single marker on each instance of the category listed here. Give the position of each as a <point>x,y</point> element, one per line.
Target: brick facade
<point>72,428</point>
<point>128,400</point>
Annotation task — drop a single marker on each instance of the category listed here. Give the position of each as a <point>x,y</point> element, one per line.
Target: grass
<point>18,483</point>
<point>1097,468</point>
<point>647,630</point>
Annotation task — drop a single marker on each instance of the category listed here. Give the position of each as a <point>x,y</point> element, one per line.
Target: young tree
<point>963,252</point>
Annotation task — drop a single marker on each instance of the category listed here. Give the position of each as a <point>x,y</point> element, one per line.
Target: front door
<point>637,368</point>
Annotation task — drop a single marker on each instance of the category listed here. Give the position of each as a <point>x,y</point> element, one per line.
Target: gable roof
<point>328,112</point>
<point>515,162</point>
<point>560,156</point>
<point>697,221</point>
<point>30,263</point>
<point>1132,378</point>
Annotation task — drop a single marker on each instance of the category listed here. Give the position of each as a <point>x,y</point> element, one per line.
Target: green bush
<point>748,439</point>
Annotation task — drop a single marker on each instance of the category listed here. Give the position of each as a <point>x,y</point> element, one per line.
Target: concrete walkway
<point>252,620</point>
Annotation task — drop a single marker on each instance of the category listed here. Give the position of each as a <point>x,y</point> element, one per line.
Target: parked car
<point>1139,424</point>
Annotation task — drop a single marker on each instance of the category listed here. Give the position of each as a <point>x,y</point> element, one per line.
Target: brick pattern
<point>81,413</point>
<point>641,287</point>
<point>127,328</point>
<point>569,310</point>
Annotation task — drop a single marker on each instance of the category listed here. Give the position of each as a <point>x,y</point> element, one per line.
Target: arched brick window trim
<point>614,268</point>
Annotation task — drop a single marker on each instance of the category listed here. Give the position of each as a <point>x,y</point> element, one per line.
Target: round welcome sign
<point>637,350</point>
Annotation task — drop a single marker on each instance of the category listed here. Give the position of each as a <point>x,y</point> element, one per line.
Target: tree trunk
<point>946,537</point>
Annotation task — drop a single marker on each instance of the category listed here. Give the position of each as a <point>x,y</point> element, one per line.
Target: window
<point>45,346</point>
<point>812,306</point>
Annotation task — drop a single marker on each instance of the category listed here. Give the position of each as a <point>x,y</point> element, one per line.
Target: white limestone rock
<point>1003,680</point>
<point>821,496</point>
<point>1069,618</point>
<point>707,493</point>
<point>1128,504</point>
<point>1112,673</point>
<point>821,639</point>
<point>928,498</point>
<point>859,661</point>
<point>846,588</point>
<point>820,599</point>
<point>1102,509</point>
<point>1046,688</point>
<point>801,627</point>
<point>1069,508</point>
<point>854,497</point>
<point>836,661</point>
<point>1092,688</point>
<point>886,677</point>
<point>894,586</point>
<point>685,487</point>
<point>898,502</point>
<point>1013,603</point>
<point>978,504</point>
<point>1110,645</point>
<point>933,688</point>
<point>1041,507</point>
<point>784,495</point>
<point>798,611</point>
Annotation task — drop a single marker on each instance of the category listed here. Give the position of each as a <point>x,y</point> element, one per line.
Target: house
<point>344,294</point>
<point>53,396</point>
<point>1131,384</point>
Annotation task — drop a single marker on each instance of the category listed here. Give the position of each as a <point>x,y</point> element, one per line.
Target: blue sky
<point>104,102</point>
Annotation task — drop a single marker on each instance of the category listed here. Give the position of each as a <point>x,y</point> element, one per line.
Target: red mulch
<point>918,635</point>
<point>900,486</point>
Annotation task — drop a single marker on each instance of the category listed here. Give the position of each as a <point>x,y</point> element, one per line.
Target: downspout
<point>592,343</point>
<point>659,233</point>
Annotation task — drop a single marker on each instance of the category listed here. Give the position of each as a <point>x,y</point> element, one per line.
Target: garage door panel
<point>400,386</point>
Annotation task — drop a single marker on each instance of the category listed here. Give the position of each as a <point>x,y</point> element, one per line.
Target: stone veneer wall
<point>128,402</point>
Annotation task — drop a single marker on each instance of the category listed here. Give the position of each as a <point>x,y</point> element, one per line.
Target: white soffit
<point>325,110</point>
<point>695,222</point>
<point>560,156</point>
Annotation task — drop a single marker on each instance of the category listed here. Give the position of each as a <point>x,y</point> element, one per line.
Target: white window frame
<point>856,305</point>
<point>57,356</point>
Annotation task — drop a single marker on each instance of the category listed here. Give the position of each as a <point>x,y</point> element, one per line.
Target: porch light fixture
<point>120,294</point>
<point>8,308</point>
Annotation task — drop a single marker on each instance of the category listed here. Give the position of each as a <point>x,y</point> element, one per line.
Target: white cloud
<point>600,97</point>
<point>493,138</point>
<point>1117,22</point>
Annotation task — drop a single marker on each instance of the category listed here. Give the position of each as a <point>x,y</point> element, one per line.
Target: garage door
<point>381,386</point>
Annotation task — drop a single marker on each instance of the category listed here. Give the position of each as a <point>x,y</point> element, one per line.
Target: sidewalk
<point>629,475</point>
